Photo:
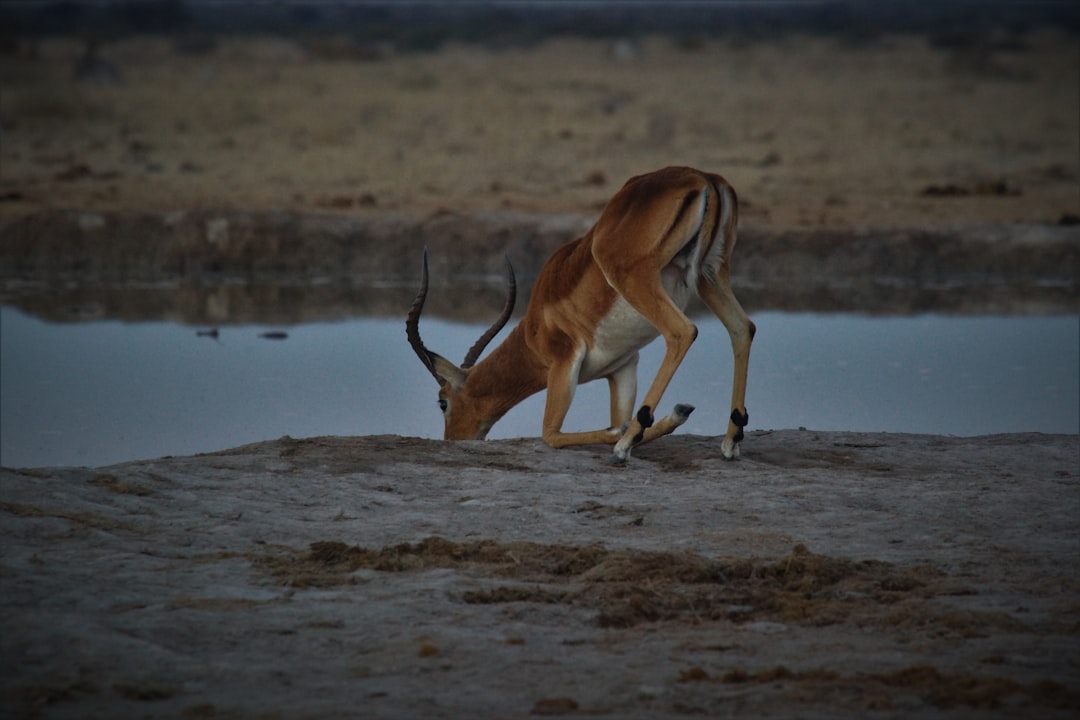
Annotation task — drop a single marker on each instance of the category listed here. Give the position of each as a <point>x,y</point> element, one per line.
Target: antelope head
<point>466,415</point>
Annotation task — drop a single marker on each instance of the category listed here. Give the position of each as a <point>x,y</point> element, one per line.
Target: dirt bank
<point>823,575</point>
<point>294,267</point>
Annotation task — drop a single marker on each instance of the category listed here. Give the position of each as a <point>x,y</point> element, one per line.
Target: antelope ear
<point>448,371</point>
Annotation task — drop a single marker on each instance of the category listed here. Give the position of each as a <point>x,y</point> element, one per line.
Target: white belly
<point>624,331</point>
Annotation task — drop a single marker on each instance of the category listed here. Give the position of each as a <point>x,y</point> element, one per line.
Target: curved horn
<point>508,310</point>
<point>412,324</point>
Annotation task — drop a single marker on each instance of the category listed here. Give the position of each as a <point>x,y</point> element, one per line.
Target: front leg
<point>562,383</point>
<point>622,383</point>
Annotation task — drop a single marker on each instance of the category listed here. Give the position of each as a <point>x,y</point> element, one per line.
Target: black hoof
<point>683,411</point>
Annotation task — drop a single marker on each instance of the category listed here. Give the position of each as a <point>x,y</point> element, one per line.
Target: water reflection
<point>104,392</point>
<point>209,301</point>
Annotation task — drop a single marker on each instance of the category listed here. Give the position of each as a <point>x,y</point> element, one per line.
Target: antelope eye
<point>442,405</point>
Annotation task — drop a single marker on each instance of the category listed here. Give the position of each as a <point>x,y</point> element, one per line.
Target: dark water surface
<point>96,393</point>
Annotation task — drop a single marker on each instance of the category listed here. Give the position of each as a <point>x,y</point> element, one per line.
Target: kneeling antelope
<point>664,237</point>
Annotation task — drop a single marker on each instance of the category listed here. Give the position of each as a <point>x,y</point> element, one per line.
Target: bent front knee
<point>552,438</point>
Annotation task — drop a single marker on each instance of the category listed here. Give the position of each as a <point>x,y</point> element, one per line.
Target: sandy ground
<point>822,575</point>
<point>813,132</point>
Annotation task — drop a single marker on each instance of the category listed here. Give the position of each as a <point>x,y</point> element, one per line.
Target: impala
<point>663,238</point>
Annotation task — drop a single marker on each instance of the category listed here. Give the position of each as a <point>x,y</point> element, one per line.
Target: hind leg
<point>649,298</point>
<point>717,294</point>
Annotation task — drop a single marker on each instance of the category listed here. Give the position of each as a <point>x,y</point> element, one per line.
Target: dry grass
<point>626,587</point>
<point>813,132</point>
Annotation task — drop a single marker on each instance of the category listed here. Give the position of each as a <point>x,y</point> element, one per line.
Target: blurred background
<point>194,175</point>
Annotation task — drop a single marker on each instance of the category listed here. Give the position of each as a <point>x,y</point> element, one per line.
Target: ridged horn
<point>412,324</point>
<point>508,310</point>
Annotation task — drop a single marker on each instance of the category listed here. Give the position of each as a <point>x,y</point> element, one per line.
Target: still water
<point>97,393</point>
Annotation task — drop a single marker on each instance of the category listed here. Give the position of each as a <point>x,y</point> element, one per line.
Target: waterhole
<point>96,393</point>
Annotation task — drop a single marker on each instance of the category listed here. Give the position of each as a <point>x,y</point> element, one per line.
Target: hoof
<point>621,452</point>
<point>729,449</point>
<point>682,412</point>
<point>616,460</point>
